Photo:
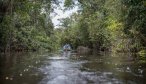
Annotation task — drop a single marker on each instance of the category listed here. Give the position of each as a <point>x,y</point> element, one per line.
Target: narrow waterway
<point>70,68</point>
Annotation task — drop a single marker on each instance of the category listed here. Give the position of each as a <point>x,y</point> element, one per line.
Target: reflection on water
<point>70,68</point>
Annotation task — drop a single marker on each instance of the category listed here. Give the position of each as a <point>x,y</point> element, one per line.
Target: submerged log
<point>83,50</point>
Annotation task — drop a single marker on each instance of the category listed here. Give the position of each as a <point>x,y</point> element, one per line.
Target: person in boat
<point>67,47</point>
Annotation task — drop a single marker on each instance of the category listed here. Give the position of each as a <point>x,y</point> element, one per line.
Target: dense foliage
<point>26,24</point>
<point>117,25</point>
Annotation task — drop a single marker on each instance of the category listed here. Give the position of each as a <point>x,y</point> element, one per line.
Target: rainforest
<point>106,36</point>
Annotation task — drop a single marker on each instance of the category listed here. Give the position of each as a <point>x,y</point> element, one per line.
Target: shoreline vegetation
<point>98,25</point>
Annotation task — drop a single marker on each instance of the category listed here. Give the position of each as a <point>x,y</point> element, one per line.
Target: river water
<point>70,68</point>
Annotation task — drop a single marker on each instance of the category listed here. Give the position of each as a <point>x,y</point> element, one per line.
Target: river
<point>70,68</point>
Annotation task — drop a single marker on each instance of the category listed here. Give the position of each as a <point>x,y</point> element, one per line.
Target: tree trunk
<point>8,45</point>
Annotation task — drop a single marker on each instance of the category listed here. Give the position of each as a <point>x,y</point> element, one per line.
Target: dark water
<point>70,68</point>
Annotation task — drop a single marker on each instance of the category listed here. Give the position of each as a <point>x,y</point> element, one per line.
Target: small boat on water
<point>67,47</point>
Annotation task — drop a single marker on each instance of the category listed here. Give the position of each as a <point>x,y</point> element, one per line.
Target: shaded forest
<point>25,25</point>
<point>105,39</point>
<point>101,25</point>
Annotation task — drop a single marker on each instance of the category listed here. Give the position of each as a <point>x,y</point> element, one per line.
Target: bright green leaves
<point>114,27</point>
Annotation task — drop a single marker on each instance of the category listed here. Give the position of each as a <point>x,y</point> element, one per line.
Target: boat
<point>66,47</point>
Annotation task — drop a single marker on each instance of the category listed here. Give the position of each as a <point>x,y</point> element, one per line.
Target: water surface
<point>70,68</point>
